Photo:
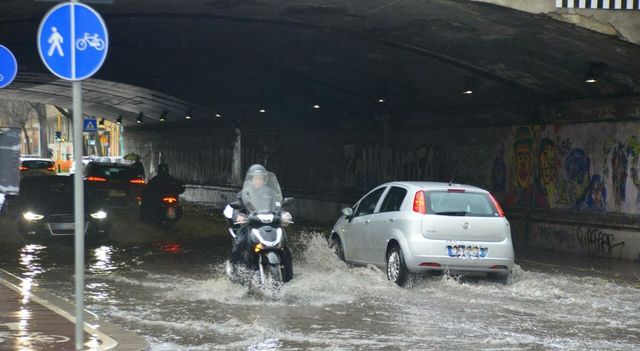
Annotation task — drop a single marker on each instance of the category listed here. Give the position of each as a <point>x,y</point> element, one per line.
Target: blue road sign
<point>73,41</point>
<point>8,67</point>
<point>89,125</point>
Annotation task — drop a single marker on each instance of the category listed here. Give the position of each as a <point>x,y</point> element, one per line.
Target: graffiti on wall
<point>371,165</point>
<point>590,240</point>
<point>553,167</point>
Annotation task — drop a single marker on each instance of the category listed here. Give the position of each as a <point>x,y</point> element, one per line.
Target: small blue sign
<point>8,67</point>
<point>73,41</point>
<point>89,125</point>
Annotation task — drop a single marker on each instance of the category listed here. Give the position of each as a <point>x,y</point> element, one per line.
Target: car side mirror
<point>347,211</point>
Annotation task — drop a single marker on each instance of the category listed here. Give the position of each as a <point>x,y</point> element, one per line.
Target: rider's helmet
<point>257,171</point>
<point>163,169</point>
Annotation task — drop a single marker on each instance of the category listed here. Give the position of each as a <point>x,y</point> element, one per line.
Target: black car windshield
<point>56,187</point>
<point>463,203</point>
<point>112,172</point>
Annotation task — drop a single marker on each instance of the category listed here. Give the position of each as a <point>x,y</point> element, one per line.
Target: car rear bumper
<point>436,255</point>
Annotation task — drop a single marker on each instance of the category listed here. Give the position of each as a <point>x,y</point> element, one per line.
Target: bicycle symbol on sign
<point>90,40</point>
<point>1,77</point>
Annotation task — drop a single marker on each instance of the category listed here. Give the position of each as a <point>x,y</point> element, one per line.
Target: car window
<point>113,172</point>
<point>460,204</point>
<point>37,164</point>
<point>368,204</point>
<point>393,200</point>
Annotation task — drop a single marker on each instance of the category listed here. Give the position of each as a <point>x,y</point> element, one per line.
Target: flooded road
<point>178,298</point>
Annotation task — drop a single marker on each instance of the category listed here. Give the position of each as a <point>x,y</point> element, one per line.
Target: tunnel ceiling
<point>233,57</point>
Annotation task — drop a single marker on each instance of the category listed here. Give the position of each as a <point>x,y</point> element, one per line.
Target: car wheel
<point>336,245</point>
<point>396,268</point>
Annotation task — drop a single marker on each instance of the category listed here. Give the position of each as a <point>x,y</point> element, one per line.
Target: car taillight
<point>96,179</point>
<point>137,181</point>
<point>23,168</point>
<point>497,205</point>
<point>419,204</point>
<point>169,199</point>
<point>52,168</point>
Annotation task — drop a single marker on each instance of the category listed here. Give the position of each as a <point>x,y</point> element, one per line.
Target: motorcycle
<point>267,254</point>
<point>167,212</point>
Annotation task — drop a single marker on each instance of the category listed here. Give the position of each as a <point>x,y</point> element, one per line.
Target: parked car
<point>46,209</point>
<point>121,185</point>
<point>36,166</point>
<point>112,159</point>
<point>421,227</point>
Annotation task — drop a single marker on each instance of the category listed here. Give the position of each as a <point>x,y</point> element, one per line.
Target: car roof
<point>435,185</point>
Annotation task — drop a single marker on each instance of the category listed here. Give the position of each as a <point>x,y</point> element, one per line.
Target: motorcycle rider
<point>257,175</point>
<point>161,185</point>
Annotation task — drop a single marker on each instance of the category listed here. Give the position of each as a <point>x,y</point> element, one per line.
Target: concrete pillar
<point>236,164</point>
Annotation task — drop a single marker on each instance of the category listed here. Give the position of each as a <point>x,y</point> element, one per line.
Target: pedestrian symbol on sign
<point>89,125</point>
<point>55,40</point>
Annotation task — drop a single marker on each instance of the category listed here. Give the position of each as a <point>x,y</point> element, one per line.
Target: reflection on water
<point>103,262</point>
<point>30,260</point>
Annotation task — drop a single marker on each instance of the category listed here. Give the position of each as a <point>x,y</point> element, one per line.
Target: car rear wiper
<point>452,213</point>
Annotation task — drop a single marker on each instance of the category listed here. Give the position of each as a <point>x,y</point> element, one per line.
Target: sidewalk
<point>33,319</point>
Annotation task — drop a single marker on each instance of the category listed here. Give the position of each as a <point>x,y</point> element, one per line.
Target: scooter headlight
<point>258,247</point>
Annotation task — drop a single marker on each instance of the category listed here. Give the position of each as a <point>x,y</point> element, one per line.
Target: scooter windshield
<point>262,193</point>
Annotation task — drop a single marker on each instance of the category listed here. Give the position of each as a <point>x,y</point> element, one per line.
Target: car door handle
<point>367,221</point>
<point>392,219</point>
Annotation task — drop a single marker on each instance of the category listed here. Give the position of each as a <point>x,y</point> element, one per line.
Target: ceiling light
<point>140,117</point>
<point>119,120</point>
<point>594,72</point>
<point>188,115</point>
<point>470,86</point>
<point>163,116</point>
<point>381,101</point>
<point>262,110</point>
<point>316,106</point>
<point>218,115</point>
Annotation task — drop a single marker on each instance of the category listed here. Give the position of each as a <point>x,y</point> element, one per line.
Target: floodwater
<point>177,297</point>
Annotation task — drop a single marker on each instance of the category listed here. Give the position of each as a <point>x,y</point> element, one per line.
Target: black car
<point>120,185</point>
<point>46,209</point>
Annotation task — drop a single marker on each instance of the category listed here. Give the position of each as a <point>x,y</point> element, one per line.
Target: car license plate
<point>117,193</point>
<point>171,213</point>
<point>62,226</point>
<point>467,251</point>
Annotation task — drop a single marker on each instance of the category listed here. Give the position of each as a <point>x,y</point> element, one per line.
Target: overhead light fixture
<point>218,115</point>
<point>163,116</point>
<point>262,110</point>
<point>316,106</point>
<point>140,117</point>
<point>101,121</point>
<point>188,115</point>
<point>119,120</point>
<point>594,72</point>
<point>381,101</point>
<point>470,86</point>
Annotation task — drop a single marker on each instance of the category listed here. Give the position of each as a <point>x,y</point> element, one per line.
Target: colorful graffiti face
<point>522,150</point>
<point>548,162</point>
<point>577,170</point>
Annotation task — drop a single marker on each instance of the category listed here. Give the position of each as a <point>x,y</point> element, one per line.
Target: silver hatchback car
<point>420,227</point>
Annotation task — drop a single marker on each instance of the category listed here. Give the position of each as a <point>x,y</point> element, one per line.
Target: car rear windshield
<point>460,203</point>
<point>113,172</point>
<point>34,164</point>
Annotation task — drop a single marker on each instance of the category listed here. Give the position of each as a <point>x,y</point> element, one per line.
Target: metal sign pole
<point>78,184</point>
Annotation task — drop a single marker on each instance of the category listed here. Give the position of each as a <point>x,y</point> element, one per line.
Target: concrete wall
<point>624,24</point>
<point>560,172</point>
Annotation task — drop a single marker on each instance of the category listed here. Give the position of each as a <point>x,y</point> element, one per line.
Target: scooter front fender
<point>273,258</point>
